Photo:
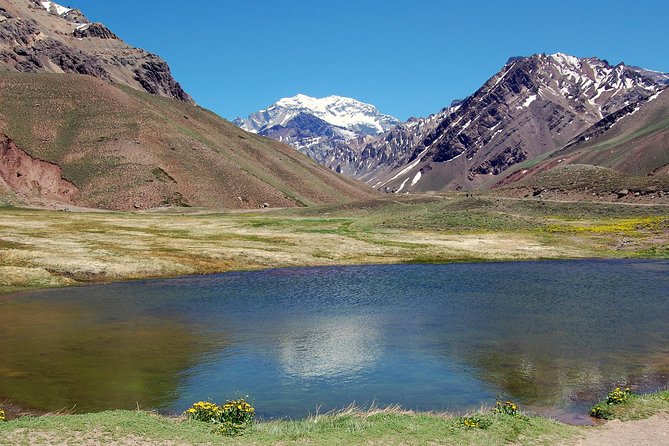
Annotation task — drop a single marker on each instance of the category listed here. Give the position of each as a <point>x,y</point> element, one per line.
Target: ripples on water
<point>553,336</point>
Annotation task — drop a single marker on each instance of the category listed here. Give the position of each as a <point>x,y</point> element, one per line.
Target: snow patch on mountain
<point>343,112</point>
<point>527,102</point>
<point>55,8</point>
<point>416,178</point>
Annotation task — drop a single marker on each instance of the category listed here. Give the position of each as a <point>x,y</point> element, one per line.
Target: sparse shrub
<point>231,419</point>
<point>204,411</point>
<point>474,422</point>
<point>238,412</point>
<point>618,396</point>
<point>507,408</point>
<point>229,429</point>
<point>604,410</point>
<point>601,411</point>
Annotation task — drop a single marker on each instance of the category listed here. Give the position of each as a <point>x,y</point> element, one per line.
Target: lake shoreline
<point>47,249</point>
<point>158,278</point>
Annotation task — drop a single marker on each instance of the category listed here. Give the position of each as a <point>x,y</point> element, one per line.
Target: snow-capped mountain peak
<point>350,114</point>
<point>566,59</point>
<point>322,128</point>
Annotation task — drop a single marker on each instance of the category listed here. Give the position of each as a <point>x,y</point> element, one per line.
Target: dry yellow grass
<point>44,249</point>
<point>48,248</point>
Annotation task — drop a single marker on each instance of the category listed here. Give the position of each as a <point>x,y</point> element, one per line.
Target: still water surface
<point>553,336</point>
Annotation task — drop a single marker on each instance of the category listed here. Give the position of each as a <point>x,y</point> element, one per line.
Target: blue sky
<point>407,58</point>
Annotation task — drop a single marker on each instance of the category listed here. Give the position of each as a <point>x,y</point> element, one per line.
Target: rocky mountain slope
<point>634,140</point>
<point>45,37</point>
<point>533,106</point>
<point>632,143</point>
<point>326,129</point>
<point>83,141</point>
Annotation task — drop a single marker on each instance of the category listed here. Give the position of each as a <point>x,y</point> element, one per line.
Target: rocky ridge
<point>623,156</point>
<point>534,105</point>
<point>45,37</point>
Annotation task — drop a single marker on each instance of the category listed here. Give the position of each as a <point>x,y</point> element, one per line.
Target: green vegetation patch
<point>502,425</point>
<point>90,168</point>
<point>47,248</point>
<point>624,405</point>
<point>627,226</point>
<point>387,427</point>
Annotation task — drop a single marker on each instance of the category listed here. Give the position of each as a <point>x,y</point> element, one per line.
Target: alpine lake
<point>553,336</point>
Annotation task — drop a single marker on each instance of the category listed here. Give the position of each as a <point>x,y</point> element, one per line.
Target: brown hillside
<point>630,153</point>
<point>124,149</point>
<point>637,144</point>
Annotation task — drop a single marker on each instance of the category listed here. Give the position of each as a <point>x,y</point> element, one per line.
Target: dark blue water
<point>552,336</point>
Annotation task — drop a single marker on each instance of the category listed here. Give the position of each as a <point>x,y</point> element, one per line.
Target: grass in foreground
<point>390,426</point>
<point>387,427</point>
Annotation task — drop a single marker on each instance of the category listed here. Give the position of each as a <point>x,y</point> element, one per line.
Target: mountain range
<point>88,120</point>
<point>533,106</point>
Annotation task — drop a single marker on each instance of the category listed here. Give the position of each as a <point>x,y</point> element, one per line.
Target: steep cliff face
<point>534,105</point>
<point>312,136</point>
<point>41,36</point>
